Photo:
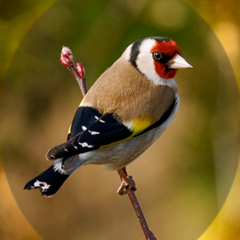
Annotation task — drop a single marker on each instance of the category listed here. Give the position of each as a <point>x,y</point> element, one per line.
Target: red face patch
<point>169,49</point>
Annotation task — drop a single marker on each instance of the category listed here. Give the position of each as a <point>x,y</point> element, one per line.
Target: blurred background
<point>183,180</point>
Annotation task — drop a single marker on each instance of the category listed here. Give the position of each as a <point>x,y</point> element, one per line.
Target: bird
<point>124,112</point>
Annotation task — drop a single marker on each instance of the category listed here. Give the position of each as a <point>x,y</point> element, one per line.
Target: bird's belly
<point>118,156</point>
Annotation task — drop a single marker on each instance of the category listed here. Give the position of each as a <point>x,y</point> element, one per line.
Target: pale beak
<point>178,62</point>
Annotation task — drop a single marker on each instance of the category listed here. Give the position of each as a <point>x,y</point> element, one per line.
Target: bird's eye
<point>157,56</point>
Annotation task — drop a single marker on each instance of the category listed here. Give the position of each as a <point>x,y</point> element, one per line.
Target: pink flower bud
<point>66,56</point>
<point>80,70</point>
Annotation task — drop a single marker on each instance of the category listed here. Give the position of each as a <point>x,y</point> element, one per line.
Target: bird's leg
<point>127,182</point>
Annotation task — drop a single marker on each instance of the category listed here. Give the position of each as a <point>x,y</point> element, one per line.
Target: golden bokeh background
<point>180,196</point>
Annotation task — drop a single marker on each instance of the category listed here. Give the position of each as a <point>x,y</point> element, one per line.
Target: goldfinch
<point>123,113</point>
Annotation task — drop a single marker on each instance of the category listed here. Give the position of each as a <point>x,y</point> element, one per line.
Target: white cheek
<point>146,65</point>
<point>145,61</point>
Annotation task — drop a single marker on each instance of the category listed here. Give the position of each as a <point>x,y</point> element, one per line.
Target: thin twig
<point>129,189</point>
<point>128,185</point>
<point>76,69</point>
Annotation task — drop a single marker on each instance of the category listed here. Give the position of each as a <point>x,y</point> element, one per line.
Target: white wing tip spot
<point>93,132</point>
<point>84,128</point>
<point>99,119</point>
<point>84,144</point>
<point>102,121</point>
<point>43,185</point>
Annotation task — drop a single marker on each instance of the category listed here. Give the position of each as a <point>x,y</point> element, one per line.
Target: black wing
<point>90,130</point>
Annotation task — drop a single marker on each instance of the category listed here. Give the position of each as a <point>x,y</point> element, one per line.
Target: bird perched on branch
<point>123,113</point>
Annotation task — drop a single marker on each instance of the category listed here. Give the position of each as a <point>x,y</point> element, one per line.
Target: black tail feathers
<point>48,182</point>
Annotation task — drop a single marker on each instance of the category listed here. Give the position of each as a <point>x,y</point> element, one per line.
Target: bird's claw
<point>127,182</point>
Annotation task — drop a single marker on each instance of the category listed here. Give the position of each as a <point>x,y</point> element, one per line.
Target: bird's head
<point>158,58</point>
